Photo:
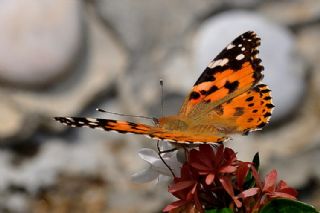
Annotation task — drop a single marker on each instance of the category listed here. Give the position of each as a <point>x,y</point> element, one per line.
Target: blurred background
<point>66,58</point>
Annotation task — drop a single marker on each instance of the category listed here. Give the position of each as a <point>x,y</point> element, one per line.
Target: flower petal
<point>227,185</point>
<point>248,193</point>
<point>242,172</point>
<point>148,155</point>
<point>210,178</point>
<point>256,177</point>
<point>281,195</point>
<point>144,176</point>
<point>181,186</point>
<point>174,205</point>
<point>270,181</point>
<point>227,169</point>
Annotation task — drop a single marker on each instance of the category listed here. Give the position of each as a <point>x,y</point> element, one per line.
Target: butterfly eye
<point>156,121</point>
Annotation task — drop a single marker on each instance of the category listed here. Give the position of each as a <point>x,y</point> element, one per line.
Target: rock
<point>78,164</point>
<point>293,13</point>
<point>285,67</point>
<point>144,24</point>
<point>73,193</point>
<point>102,62</point>
<point>35,50</point>
<point>309,46</point>
<point>13,121</point>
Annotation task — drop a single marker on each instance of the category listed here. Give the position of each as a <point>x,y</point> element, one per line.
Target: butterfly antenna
<point>135,116</point>
<point>158,142</point>
<point>162,102</point>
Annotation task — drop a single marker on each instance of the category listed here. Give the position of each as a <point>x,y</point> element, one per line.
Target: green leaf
<point>224,210</point>
<point>256,161</point>
<point>250,182</point>
<point>287,206</point>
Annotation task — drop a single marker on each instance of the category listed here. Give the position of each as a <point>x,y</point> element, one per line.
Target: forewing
<point>235,70</point>
<point>141,129</point>
<point>105,124</point>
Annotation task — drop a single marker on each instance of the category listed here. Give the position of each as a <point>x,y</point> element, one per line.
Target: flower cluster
<point>213,178</point>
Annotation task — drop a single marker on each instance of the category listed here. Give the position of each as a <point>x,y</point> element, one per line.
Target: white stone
<point>105,61</point>
<point>38,39</point>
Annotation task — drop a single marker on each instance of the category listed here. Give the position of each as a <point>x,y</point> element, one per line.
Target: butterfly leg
<point>165,151</point>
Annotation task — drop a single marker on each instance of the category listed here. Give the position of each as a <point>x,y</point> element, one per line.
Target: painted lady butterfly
<point>226,99</point>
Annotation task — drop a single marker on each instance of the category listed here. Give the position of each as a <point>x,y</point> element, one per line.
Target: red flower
<point>280,190</point>
<point>186,189</point>
<point>214,178</point>
<point>212,164</point>
<point>266,191</point>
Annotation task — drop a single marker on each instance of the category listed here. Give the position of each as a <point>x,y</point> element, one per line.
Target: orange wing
<point>234,71</point>
<point>247,112</point>
<point>154,132</point>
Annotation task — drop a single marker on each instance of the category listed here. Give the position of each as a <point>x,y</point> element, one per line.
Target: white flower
<point>156,168</point>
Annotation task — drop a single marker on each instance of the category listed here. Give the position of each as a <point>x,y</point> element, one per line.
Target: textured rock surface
<point>111,54</point>
<point>35,50</point>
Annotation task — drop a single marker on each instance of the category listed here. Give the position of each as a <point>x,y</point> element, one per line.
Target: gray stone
<point>103,62</point>
<point>13,121</point>
<point>39,40</point>
<point>143,24</point>
<point>292,13</point>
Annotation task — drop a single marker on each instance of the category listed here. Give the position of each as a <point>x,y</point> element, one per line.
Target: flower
<point>156,168</point>
<point>265,191</point>
<point>186,189</point>
<point>210,164</point>
<point>205,179</point>
<point>213,178</point>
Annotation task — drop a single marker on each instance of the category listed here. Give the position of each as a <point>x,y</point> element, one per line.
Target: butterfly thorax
<point>173,123</point>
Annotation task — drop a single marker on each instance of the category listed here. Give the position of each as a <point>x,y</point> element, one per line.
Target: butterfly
<point>226,99</point>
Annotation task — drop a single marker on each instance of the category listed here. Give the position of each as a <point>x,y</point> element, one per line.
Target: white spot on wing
<point>230,46</point>
<point>220,62</point>
<point>240,57</point>
<point>92,120</point>
<point>224,62</point>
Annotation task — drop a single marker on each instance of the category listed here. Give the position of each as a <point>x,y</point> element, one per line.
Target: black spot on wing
<point>270,106</point>
<point>249,99</point>
<point>212,90</point>
<point>219,110</point>
<point>265,91</point>
<point>261,125</point>
<point>267,98</point>
<point>231,86</point>
<point>267,114</point>
<point>246,132</point>
<point>194,95</point>
<point>207,75</point>
<point>239,111</point>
